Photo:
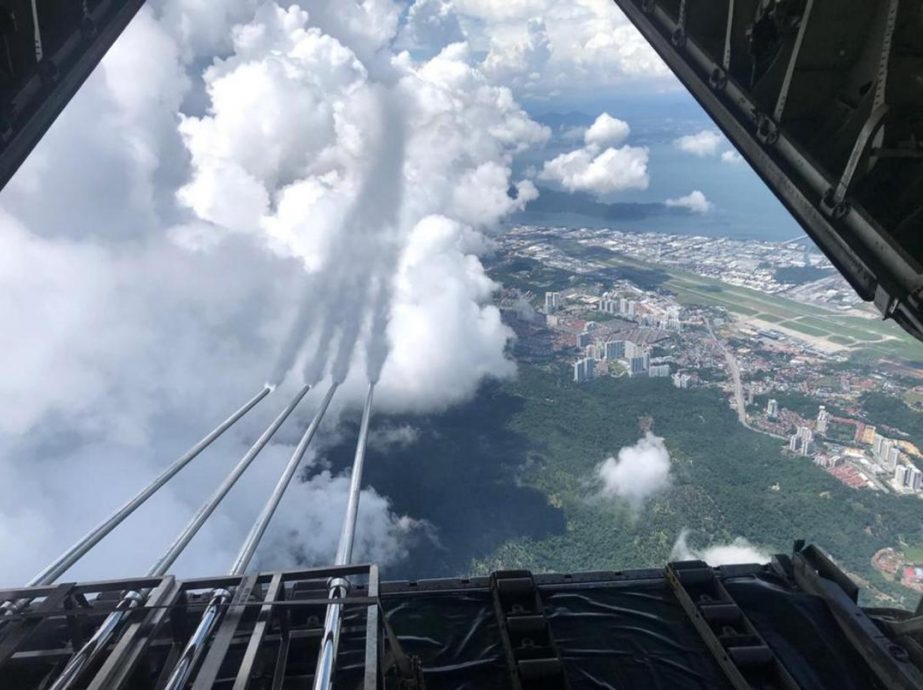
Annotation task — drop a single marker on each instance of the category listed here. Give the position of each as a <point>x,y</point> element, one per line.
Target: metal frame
<point>257,623</point>
<point>815,572</point>
<point>736,645</point>
<point>876,266</point>
<point>37,100</point>
<point>267,634</point>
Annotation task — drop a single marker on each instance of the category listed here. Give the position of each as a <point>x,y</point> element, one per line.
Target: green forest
<point>507,480</point>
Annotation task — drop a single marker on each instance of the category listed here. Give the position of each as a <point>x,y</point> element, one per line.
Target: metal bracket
<point>532,655</point>
<point>816,574</point>
<point>736,645</point>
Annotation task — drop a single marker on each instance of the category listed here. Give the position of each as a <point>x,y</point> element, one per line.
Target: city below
<point>770,324</point>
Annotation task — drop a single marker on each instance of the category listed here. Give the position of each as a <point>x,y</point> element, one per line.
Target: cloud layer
<point>637,473</point>
<point>255,209</point>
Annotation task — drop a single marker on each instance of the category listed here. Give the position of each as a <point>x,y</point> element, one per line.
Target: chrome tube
<point>195,524</point>
<point>108,629</point>
<point>36,34</point>
<point>57,568</point>
<point>345,548</point>
<point>339,587</point>
<point>262,522</point>
<point>100,640</point>
<point>194,648</point>
<point>216,607</point>
<point>62,563</point>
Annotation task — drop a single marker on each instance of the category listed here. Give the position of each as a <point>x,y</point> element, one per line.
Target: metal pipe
<point>107,631</point>
<point>214,612</point>
<point>67,559</point>
<point>36,34</point>
<point>100,639</point>
<point>262,522</point>
<point>339,587</point>
<point>184,537</point>
<point>192,652</point>
<point>347,536</point>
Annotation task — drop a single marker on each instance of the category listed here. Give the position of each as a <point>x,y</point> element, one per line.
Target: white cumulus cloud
<point>607,131</point>
<point>732,157</point>
<point>432,24</point>
<point>638,472</point>
<point>545,48</point>
<point>265,180</point>
<point>703,144</point>
<point>694,202</point>
<point>599,166</point>
<point>738,551</point>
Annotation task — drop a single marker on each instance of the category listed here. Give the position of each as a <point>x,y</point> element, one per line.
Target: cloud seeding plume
<point>738,551</point>
<point>273,185</point>
<point>638,473</point>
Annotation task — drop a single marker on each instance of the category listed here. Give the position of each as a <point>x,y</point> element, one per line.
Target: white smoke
<point>637,473</point>
<point>253,203</point>
<point>387,438</point>
<point>738,551</point>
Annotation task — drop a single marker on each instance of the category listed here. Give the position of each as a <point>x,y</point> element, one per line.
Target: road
<point>734,368</point>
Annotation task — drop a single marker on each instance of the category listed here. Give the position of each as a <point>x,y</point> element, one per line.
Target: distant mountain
<point>553,201</point>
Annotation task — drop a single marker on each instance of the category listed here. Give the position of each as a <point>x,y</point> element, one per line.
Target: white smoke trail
<point>378,346</point>
<point>365,251</point>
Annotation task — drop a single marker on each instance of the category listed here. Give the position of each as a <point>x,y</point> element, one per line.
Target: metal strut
<point>214,612</point>
<point>132,599</point>
<point>339,587</point>
<point>62,563</point>
<point>736,645</point>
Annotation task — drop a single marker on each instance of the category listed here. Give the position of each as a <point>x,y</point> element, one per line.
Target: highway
<point>735,377</point>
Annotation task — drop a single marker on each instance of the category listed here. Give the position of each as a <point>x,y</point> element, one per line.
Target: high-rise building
<point>637,366</point>
<point>590,351</point>
<point>584,369</point>
<point>584,339</point>
<point>772,409</point>
<point>915,480</point>
<point>658,370</point>
<point>615,349</point>
<point>901,476</point>
<point>673,319</point>
<point>823,419</point>
<point>802,441</point>
<point>552,302</point>
<point>886,451</point>
<point>681,380</point>
<point>893,457</point>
